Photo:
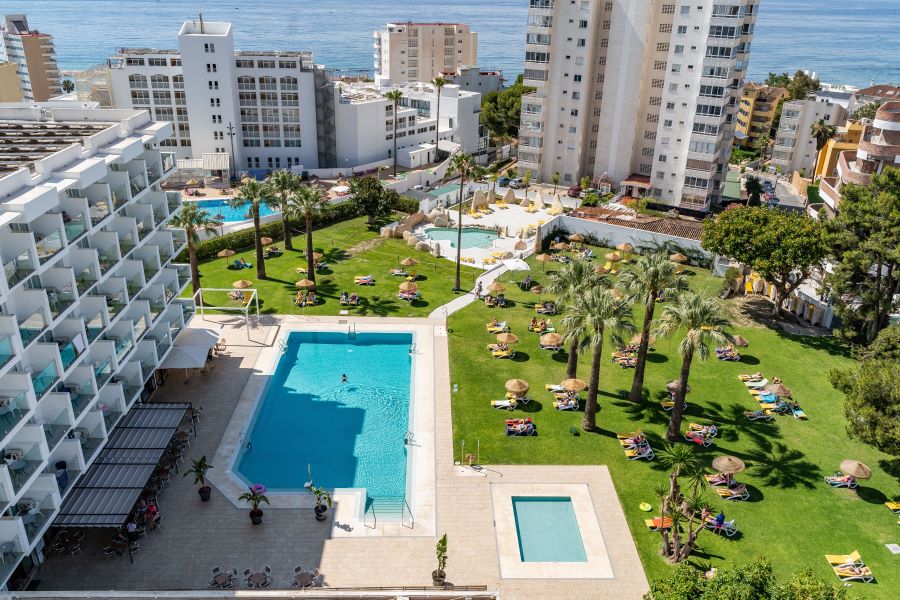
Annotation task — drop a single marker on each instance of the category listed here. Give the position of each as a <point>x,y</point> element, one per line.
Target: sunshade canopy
<point>517,386</point>
<point>265,241</point>
<point>573,385</point>
<point>728,464</point>
<point>226,253</point>
<point>408,286</point>
<point>409,261</point>
<point>856,468</point>
<point>106,493</point>
<point>191,349</point>
<point>507,338</point>
<point>241,284</point>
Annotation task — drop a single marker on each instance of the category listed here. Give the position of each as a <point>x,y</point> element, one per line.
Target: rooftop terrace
<point>22,143</point>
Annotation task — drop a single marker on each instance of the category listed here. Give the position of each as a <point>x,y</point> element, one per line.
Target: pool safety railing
<point>409,438</point>
<point>351,331</point>
<point>282,345</point>
<point>391,508</point>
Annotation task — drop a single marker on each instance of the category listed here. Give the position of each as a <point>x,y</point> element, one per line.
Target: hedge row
<point>243,239</point>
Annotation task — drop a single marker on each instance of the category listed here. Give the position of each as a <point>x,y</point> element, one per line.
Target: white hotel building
<point>642,91</point>
<point>88,299</point>
<point>257,111</point>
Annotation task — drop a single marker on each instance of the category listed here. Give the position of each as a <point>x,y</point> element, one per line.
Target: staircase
<point>389,509</point>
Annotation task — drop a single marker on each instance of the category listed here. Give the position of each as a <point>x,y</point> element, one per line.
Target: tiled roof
<point>674,226</point>
<point>882,90</point>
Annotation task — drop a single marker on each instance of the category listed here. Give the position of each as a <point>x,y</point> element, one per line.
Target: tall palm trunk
<point>310,263</point>
<point>462,183</point>
<point>637,384</point>
<point>286,226</point>
<point>260,265</point>
<point>673,433</point>
<point>589,423</point>
<point>437,127</point>
<point>195,268</point>
<point>572,363</point>
<point>395,140</point>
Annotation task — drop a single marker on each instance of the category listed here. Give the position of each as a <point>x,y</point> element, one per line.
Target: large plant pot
<point>320,512</point>
<point>205,493</point>
<point>438,578</point>
<point>256,516</point>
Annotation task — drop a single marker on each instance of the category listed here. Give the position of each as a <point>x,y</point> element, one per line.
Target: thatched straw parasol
<point>192,183</point>
<point>409,261</point>
<point>779,389</point>
<point>576,237</point>
<point>573,385</point>
<point>317,255</point>
<point>265,241</point>
<point>728,464</point>
<point>226,254</point>
<point>678,257</point>
<point>543,259</point>
<point>626,247</point>
<point>551,339</point>
<point>241,284</point>
<point>408,286</point>
<point>305,284</point>
<point>496,287</point>
<point>613,256</point>
<point>507,338</point>
<point>856,468</point>
<point>637,339</point>
<point>675,385</point>
<point>517,386</point>
<point>741,341</point>
<point>560,246</point>
<point>520,245</point>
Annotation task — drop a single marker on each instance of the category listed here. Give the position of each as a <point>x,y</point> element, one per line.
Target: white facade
<point>473,79</point>
<point>257,108</point>
<point>642,91</point>
<point>22,46</point>
<point>422,51</point>
<point>88,298</point>
<point>795,147</point>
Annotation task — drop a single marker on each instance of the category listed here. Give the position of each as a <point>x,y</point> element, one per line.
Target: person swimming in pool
<point>344,378</point>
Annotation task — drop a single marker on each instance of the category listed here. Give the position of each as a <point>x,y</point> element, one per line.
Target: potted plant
<point>323,500</point>
<point>255,497</point>
<point>438,577</point>
<point>198,469</point>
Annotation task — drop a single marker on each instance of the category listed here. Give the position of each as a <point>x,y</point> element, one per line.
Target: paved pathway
<point>460,302</point>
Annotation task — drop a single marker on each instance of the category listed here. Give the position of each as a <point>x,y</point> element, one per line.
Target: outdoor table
<point>257,579</point>
<point>304,579</point>
<point>222,579</point>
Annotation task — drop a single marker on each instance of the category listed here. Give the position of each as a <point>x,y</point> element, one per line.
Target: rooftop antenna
<point>201,23</point>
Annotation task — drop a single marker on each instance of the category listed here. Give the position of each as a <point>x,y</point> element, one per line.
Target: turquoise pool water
<point>231,214</point>
<point>472,237</point>
<point>547,529</point>
<point>350,434</point>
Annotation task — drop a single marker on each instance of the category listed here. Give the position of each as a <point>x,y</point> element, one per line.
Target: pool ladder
<point>282,345</point>
<point>351,331</point>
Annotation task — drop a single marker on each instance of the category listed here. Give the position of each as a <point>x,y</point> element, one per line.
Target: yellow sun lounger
<point>503,353</point>
<point>507,404</point>
<point>894,507</point>
<point>844,560</point>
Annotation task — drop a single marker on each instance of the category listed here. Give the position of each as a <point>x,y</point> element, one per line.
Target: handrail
<point>412,517</point>
<point>374,517</point>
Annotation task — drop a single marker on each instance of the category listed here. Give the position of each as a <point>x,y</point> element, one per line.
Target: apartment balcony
<point>48,244</point>
<point>168,162</point>
<point>21,265</point>
<point>112,405</point>
<point>33,325</point>
<point>43,379</point>
<point>24,458</point>
<point>137,184</point>
<point>7,349</point>
<point>174,201</point>
<point>82,385</point>
<point>14,408</point>
<point>56,417</point>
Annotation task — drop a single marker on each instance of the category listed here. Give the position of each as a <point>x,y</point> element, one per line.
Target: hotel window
<point>682,29</point>
<point>576,78</point>
<point>162,97</point>
<point>679,49</point>
<point>685,10</point>
<point>178,82</point>
<point>289,83</point>
<point>175,62</point>
<point>287,64</point>
<point>696,182</point>
<point>213,85</point>
<point>209,48</point>
<point>249,115</point>
<point>134,62</point>
<point>265,64</point>
<point>581,43</point>
<point>156,62</point>
<point>212,68</point>
<point>140,97</point>
<point>243,64</point>
<point>137,81</point>
<point>164,114</point>
<point>159,81</point>
<point>214,102</point>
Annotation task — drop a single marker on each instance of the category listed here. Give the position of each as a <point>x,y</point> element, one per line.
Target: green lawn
<point>350,249</point>
<point>793,518</point>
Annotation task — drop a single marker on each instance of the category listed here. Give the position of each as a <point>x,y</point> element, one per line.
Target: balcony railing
<point>56,430</point>
<point>21,470</point>
<point>126,244</point>
<point>6,350</point>
<point>32,326</point>
<point>173,200</point>
<point>45,379</point>
<point>18,268</point>
<point>102,372</point>
<point>34,520</point>
<point>12,408</point>
<point>140,326</point>
<point>168,161</point>
<point>153,174</point>
<point>123,345</point>
<point>85,280</point>
<point>48,245</point>
<point>60,300</point>
<point>68,354</point>
<point>137,184</point>
<point>107,258</point>
<point>119,196</point>
<point>95,327</point>
<point>75,227</point>
<point>115,305</point>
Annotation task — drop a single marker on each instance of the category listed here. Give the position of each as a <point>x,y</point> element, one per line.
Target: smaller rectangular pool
<point>547,529</point>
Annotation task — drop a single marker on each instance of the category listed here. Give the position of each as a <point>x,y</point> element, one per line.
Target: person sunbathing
<point>841,479</point>
<point>494,323</point>
<point>542,326</point>
<point>354,299</point>
<point>501,301</point>
<point>489,301</point>
<point>637,440</point>
<point>644,449</point>
<point>720,479</point>
<point>498,347</point>
<point>533,325</point>
<point>345,298</point>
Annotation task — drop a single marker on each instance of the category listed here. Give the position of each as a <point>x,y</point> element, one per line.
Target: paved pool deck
<point>199,536</point>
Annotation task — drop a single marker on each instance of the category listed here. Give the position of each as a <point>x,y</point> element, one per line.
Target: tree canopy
<point>872,390</point>
<point>370,197</point>
<point>798,85</point>
<point>501,111</point>
<point>865,242</point>
<point>755,581</point>
<point>783,247</point>
<point>866,111</point>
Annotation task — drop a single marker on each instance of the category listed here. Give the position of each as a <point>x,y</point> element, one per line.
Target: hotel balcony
<point>32,311</point>
<point>16,403</point>
<point>48,236</point>
<point>56,415</point>
<point>94,312</point>
<point>126,230</point>
<point>42,362</point>
<point>13,546</point>
<point>59,285</point>
<point>148,256</point>
<point>10,342</point>
<point>115,294</point>
<point>155,295</point>
<point>112,405</point>
<point>174,201</point>
<point>131,377</point>
<point>85,265</point>
<point>121,334</point>
<point>66,464</point>
<point>159,207</point>
<point>25,455</point>
<point>71,338</point>
<point>82,384</point>
<point>37,507</point>
<point>90,434</point>
<point>19,256</point>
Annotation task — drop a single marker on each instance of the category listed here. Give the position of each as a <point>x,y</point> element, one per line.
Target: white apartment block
<point>258,111</point>
<point>641,91</point>
<point>88,299</point>
<point>422,51</point>
<point>364,123</point>
<point>795,147</point>
<point>34,55</point>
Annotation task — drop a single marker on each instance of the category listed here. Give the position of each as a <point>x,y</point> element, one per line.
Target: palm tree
<point>754,189</point>
<point>495,177</point>
<point>463,164</point>
<point>568,285</point>
<point>438,83</point>
<point>823,132</point>
<point>653,276</point>
<point>526,179</point>
<point>254,193</point>
<point>394,96</point>
<point>762,145</point>
<point>282,184</point>
<point>702,320</point>
<point>688,513</point>
<point>193,219</point>
<point>597,313</point>
<point>306,200</point>
<point>555,179</point>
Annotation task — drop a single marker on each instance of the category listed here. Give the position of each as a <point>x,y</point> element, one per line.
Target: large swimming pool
<point>350,434</point>
<point>231,214</point>
<point>547,529</point>
<point>472,237</point>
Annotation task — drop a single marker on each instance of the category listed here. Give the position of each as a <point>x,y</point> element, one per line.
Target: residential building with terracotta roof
<point>756,112</point>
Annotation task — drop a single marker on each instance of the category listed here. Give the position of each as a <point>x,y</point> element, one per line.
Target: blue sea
<point>842,41</point>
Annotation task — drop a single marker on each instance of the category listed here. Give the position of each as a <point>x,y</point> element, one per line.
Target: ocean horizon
<point>789,33</point>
